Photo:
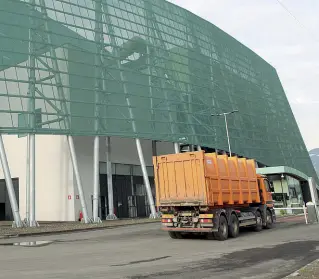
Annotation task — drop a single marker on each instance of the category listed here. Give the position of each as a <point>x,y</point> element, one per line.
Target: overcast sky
<point>289,42</point>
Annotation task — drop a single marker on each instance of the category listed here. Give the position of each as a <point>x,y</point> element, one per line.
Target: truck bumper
<point>189,230</point>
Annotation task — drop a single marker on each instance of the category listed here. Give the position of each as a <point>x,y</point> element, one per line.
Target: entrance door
<point>122,192</point>
<point>4,198</point>
<point>103,196</point>
<point>2,211</point>
<point>103,207</point>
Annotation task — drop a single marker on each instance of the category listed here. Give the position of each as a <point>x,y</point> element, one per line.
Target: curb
<point>297,272</point>
<point>73,230</point>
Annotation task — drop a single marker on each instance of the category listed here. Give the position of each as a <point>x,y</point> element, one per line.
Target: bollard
<point>312,213</point>
<point>305,213</point>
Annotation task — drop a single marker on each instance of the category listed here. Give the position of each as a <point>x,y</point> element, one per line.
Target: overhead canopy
<point>284,170</point>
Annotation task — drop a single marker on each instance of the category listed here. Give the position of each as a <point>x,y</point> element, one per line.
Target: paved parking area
<point>147,252</point>
<point>60,227</point>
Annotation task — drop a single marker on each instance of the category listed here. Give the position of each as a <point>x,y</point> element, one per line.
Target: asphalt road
<point>146,252</point>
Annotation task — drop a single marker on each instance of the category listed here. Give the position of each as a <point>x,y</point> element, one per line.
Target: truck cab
<point>266,189</point>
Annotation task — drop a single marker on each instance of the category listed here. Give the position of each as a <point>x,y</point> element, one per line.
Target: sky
<point>288,40</point>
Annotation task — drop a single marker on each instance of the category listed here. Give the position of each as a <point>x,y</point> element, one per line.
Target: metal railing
<point>304,208</point>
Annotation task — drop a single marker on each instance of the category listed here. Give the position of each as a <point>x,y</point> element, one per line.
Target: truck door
<point>261,189</point>
<point>268,193</point>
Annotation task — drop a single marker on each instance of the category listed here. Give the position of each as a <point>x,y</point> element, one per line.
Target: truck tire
<point>269,222</point>
<point>210,236</point>
<point>179,235</point>
<point>259,222</point>
<point>233,227</point>
<point>175,235</point>
<point>172,235</point>
<point>222,233</point>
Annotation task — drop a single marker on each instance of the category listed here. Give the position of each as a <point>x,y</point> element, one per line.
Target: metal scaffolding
<point>164,71</point>
<point>202,69</point>
<point>36,56</point>
<point>117,57</point>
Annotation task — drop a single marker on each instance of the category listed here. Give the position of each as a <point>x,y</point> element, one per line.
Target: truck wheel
<point>172,235</point>
<point>179,235</point>
<point>210,236</point>
<point>233,227</point>
<point>259,222</point>
<point>269,222</point>
<point>222,233</point>
<point>175,235</point>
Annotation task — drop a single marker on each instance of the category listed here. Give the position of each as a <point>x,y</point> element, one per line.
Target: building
<point>314,155</point>
<point>80,73</point>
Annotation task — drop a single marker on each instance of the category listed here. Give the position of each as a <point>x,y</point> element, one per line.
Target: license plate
<point>167,216</point>
<point>206,216</point>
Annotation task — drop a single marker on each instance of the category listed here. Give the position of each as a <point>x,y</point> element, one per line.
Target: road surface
<point>146,252</point>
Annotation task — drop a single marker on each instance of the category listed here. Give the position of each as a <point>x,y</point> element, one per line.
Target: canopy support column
<point>146,179</point>
<point>86,218</point>
<point>96,180</point>
<point>111,215</point>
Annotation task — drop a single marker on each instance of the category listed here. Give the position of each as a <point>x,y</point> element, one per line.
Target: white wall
<point>54,176</point>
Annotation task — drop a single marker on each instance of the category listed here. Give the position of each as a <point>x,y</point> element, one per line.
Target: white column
<point>96,180</point>
<point>12,196</point>
<point>176,147</point>
<point>74,160</point>
<point>146,179</point>
<point>111,215</point>
<point>27,195</point>
<point>33,222</point>
<point>314,193</point>
<point>229,149</point>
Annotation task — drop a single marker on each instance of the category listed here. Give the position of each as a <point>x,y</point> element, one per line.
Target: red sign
<point>77,197</point>
<point>69,197</point>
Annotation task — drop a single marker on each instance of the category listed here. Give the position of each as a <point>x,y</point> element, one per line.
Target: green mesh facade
<point>140,68</point>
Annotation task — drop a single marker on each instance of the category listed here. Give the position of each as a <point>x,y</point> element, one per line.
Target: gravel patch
<point>310,271</point>
<point>6,231</point>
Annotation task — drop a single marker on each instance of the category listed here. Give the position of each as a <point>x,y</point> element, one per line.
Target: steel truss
<point>167,75</point>
<point>119,67</point>
<point>42,31</point>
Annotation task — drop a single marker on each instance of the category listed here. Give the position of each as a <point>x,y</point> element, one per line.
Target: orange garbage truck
<point>211,194</point>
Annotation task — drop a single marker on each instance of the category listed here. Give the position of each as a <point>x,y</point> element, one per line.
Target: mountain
<point>314,155</point>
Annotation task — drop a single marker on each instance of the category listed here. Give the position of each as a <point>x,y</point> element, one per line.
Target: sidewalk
<point>291,218</point>
<point>6,231</point>
<point>310,271</point>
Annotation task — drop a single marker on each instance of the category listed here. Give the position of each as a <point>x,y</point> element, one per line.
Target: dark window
<point>267,185</point>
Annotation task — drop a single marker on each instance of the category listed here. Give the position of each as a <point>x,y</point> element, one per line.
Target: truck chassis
<point>217,223</point>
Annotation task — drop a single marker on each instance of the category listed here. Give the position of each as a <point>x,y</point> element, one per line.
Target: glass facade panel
<point>141,68</point>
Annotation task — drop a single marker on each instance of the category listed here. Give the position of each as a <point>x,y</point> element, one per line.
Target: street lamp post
<point>226,124</point>
<point>282,191</point>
